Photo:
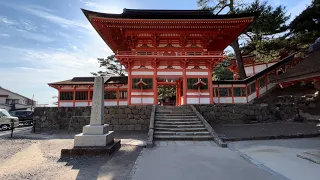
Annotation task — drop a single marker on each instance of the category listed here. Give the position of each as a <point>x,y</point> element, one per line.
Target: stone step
<point>183,137</point>
<point>180,129</point>
<point>176,119</point>
<point>182,133</point>
<point>178,122</point>
<point>179,126</point>
<point>181,116</point>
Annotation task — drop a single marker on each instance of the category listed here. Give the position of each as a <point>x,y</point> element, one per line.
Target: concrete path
<point>280,156</point>
<point>187,160</point>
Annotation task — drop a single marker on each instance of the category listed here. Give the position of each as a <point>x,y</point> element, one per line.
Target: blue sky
<point>44,41</point>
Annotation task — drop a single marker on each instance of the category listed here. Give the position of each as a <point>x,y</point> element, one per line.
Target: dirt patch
<point>39,158</point>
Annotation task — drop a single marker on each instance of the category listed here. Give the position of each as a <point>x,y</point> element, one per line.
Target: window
<point>239,91</point>
<point>252,88</point>
<point>225,92</point>
<point>148,81</point>
<point>192,81</point>
<point>123,94</point>
<point>110,95</point>
<point>262,82</point>
<point>82,95</point>
<point>12,101</point>
<point>66,95</point>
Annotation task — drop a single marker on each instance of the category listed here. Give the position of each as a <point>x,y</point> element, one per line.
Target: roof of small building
<point>308,68</point>
<point>90,80</point>
<point>166,14</point>
<point>13,93</point>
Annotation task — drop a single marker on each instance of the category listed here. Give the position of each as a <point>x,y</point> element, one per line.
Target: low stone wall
<point>118,117</point>
<point>246,113</point>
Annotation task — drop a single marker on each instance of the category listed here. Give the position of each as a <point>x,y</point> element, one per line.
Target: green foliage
<point>111,65</point>
<point>221,72</point>
<point>166,91</point>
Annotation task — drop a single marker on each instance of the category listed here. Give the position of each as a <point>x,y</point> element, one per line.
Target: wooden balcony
<point>213,54</point>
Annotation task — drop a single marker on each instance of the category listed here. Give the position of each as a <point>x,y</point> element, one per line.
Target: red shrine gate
<point>180,45</point>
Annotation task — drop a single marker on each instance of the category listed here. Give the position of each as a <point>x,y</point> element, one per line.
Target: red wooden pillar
<point>89,96</point>
<point>129,85</point>
<point>118,95</point>
<point>184,86</point>
<point>257,88</point>
<point>155,86</point>
<point>210,85</point>
<point>74,96</point>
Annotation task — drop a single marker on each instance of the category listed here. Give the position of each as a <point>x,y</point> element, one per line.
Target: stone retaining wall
<point>246,113</point>
<point>118,117</point>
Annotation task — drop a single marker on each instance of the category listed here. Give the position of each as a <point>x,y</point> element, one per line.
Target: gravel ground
<point>37,156</point>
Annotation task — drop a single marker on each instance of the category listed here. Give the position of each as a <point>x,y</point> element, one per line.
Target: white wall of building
<point>141,100</point>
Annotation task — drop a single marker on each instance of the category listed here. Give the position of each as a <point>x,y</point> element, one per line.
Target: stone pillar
<point>96,134</point>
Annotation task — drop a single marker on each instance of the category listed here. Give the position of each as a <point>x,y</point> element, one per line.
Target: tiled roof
<point>308,68</point>
<point>90,81</point>
<point>167,14</point>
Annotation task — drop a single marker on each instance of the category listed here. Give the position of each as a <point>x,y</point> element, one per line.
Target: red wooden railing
<point>170,53</point>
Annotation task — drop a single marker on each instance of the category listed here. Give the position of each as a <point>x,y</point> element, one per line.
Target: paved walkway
<point>188,160</point>
<point>281,156</point>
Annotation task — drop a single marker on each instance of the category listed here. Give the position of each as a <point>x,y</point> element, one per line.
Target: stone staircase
<point>179,123</point>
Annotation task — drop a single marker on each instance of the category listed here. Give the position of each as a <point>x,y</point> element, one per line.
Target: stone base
<point>84,140</point>
<point>95,130</point>
<point>91,151</point>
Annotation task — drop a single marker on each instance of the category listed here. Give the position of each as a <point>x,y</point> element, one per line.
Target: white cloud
<point>6,21</point>
<point>110,8</point>
<point>4,35</point>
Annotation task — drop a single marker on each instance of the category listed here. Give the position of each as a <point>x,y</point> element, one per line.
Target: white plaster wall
<point>193,100</point>
<point>262,90</point>
<point>225,99</point>
<point>66,104</point>
<point>110,103</point>
<point>197,73</point>
<point>259,68</point>
<point>141,100</point>
<point>271,85</point>
<point>215,99</point>
<point>252,96</point>
<point>142,72</point>
<point>169,73</point>
<point>248,70</point>
<point>196,93</point>
<point>240,99</point>
<point>204,100</point>
<point>79,104</point>
<point>143,93</point>
<point>270,64</point>
<point>123,103</point>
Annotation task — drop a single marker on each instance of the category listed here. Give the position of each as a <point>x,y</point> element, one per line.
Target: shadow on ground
<point>115,167</point>
<point>277,130</point>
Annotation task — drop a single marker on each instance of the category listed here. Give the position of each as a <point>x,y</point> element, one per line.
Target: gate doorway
<point>169,92</point>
